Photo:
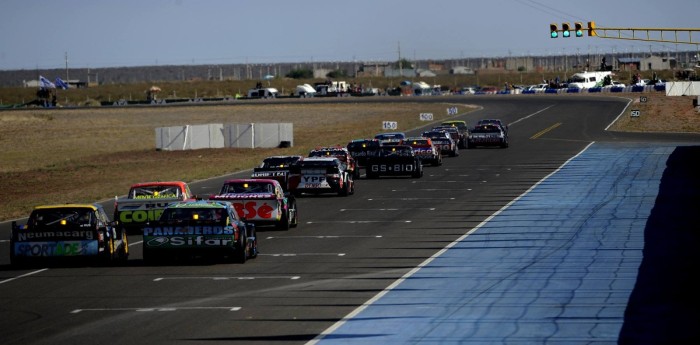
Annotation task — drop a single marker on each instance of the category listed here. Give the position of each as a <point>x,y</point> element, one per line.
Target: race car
<point>444,141</point>
<point>463,129</point>
<point>361,149</point>
<point>454,133</point>
<point>497,122</point>
<point>145,202</point>
<point>395,160</point>
<point>424,150</point>
<point>56,232</point>
<point>390,138</point>
<point>261,202</point>
<point>339,152</point>
<point>318,175</point>
<point>199,228</point>
<point>487,135</point>
<point>276,168</point>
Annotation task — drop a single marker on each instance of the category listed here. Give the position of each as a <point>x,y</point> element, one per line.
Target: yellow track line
<point>542,132</point>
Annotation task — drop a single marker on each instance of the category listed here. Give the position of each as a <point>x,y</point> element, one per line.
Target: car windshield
<point>397,151</point>
<point>70,217</point>
<point>363,145</point>
<point>155,192</point>
<point>486,129</point>
<point>194,214</point>
<point>247,187</point>
<point>327,153</point>
<point>278,162</point>
<point>435,135</point>
<point>389,136</point>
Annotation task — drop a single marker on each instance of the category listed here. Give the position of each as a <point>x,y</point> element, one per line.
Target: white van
<point>586,80</point>
<point>268,92</point>
<point>304,90</point>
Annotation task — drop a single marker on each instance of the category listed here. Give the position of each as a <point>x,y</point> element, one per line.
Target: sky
<point>43,34</point>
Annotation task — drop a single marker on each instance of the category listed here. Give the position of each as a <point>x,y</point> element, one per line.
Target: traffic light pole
<point>617,33</point>
<point>632,34</point>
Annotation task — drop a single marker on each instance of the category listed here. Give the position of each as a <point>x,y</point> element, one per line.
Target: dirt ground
<point>83,155</point>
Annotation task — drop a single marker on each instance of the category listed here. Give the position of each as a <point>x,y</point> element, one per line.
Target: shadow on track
<point>663,306</point>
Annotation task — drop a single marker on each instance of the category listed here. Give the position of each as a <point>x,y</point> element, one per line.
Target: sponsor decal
<point>126,205</point>
<point>28,236</point>
<point>187,230</point>
<point>314,181</point>
<point>393,168</point>
<point>257,210</point>
<point>269,174</point>
<point>246,196</point>
<point>189,241</point>
<point>59,248</point>
<point>159,196</point>
<point>139,216</point>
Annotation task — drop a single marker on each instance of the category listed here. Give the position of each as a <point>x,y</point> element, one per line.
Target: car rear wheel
<point>285,221</point>
<point>240,254</point>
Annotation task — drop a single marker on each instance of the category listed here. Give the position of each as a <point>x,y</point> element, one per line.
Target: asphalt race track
<point>572,235</point>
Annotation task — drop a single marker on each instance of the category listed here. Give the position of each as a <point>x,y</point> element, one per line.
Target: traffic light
<point>566,30</point>
<point>591,29</point>
<point>553,30</point>
<point>578,26</point>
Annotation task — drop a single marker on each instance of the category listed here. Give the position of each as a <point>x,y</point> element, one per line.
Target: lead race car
<point>488,135</point>
<point>199,228</point>
<point>56,232</point>
<point>261,201</point>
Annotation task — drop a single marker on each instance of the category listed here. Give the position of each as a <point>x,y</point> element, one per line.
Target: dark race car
<point>444,141</point>
<point>199,228</point>
<point>488,135</point>
<point>462,129</point>
<point>424,150</point>
<point>321,175</point>
<point>395,160</point>
<point>67,232</point>
<point>496,122</point>
<point>339,152</point>
<point>390,138</point>
<point>454,134</point>
<point>276,168</point>
<point>361,150</point>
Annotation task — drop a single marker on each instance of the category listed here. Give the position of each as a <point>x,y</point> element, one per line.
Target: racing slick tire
<point>108,252</point>
<point>252,241</point>
<point>123,251</point>
<point>454,153</point>
<point>295,217</point>
<point>285,222</point>
<point>418,173</point>
<point>346,190</point>
<point>438,161</point>
<point>240,254</point>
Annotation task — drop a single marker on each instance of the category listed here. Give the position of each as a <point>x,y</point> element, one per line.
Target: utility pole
<point>67,79</point>
<point>400,62</point>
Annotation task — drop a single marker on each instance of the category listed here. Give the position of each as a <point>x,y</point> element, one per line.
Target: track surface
<point>348,250</point>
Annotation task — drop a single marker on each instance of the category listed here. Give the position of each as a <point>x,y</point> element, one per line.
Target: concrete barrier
<point>250,135</point>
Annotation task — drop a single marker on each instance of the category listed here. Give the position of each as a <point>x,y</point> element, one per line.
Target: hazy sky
<point>109,33</point>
